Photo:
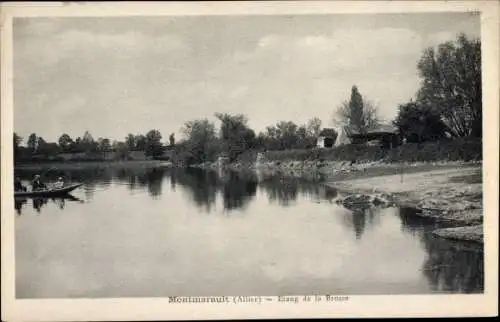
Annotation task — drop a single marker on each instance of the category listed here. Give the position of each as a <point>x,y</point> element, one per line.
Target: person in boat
<point>18,186</point>
<point>37,183</point>
<point>59,183</point>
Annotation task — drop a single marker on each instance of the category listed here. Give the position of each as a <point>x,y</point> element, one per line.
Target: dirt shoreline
<point>452,195</point>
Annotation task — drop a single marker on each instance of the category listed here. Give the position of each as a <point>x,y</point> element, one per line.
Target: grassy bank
<point>446,150</point>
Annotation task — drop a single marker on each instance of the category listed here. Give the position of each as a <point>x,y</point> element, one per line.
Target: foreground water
<point>147,233</point>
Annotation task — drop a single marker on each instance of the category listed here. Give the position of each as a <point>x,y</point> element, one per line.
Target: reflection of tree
<point>132,182</point>
<point>154,181</point>
<point>282,189</point>
<point>18,204</point>
<point>359,219</point>
<point>452,266</point>
<point>330,193</point>
<point>412,223</point>
<point>285,187</point>
<point>38,203</point>
<point>238,189</point>
<point>125,175</point>
<point>202,185</point>
<point>173,179</point>
<point>449,266</point>
<point>60,202</point>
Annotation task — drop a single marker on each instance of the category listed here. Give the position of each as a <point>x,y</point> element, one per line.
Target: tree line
<point>203,142</point>
<point>150,143</point>
<point>449,101</point>
<point>448,105</point>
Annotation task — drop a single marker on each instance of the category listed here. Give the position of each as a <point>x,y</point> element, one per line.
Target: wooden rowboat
<point>48,192</point>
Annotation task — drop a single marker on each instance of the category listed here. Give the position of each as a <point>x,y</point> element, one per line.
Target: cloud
<point>33,27</point>
<point>441,37</point>
<point>68,44</point>
<point>306,76</point>
<point>321,56</point>
<point>178,71</point>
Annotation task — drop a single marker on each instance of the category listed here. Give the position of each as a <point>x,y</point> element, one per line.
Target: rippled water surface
<point>154,232</point>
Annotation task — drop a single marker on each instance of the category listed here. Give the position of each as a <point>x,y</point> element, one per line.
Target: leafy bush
<point>444,150</point>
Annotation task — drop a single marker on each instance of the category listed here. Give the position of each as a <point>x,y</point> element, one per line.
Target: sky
<point>118,75</point>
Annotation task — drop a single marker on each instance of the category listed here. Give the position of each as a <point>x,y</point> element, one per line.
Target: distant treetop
<point>328,132</point>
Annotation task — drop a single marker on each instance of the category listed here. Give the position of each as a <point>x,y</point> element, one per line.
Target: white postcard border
<point>160,308</point>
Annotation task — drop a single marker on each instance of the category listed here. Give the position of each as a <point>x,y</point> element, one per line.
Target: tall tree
<point>65,142</point>
<point>287,134</point>
<point>88,143</point>
<point>419,123</point>
<point>40,142</point>
<point>131,141</point>
<point>201,140</point>
<point>356,119</point>
<point>16,145</point>
<point>121,149</point>
<point>103,144</point>
<point>235,134</point>
<point>451,84</point>
<point>171,139</point>
<point>357,114</point>
<point>32,142</point>
<point>78,145</point>
<point>154,147</point>
<point>140,142</point>
<point>313,127</point>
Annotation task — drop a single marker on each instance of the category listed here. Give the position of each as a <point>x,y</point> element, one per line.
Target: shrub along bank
<point>446,150</point>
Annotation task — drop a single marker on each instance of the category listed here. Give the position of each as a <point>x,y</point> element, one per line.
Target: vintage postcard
<point>243,160</point>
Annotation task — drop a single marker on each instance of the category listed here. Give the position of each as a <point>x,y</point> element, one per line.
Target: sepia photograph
<point>246,158</point>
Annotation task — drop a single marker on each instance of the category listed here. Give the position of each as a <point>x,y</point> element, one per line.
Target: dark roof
<point>328,132</point>
<point>383,128</point>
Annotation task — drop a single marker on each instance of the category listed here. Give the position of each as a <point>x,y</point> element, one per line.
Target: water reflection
<point>236,188</point>
<point>359,219</point>
<point>450,265</point>
<point>39,202</point>
<point>447,266</point>
<point>453,266</point>
<point>154,180</point>
<point>286,189</point>
<point>18,205</point>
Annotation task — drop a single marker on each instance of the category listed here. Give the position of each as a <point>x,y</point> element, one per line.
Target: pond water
<point>163,232</point>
